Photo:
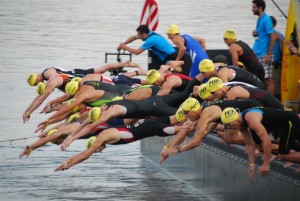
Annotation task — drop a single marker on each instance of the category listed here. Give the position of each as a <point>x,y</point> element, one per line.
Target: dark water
<point>36,34</point>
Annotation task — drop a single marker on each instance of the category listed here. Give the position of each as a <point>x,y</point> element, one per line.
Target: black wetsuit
<point>156,105</point>
<point>272,118</point>
<point>249,59</point>
<point>122,79</point>
<point>142,129</point>
<point>154,89</point>
<point>106,98</point>
<point>145,128</point>
<point>72,73</point>
<point>262,96</point>
<point>244,76</point>
<point>118,89</point>
<point>109,124</point>
<point>241,104</point>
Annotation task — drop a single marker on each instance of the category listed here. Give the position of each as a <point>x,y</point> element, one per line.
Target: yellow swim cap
<point>74,117</point>
<point>89,142</point>
<point>40,88</point>
<point>180,116</point>
<point>215,84</point>
<point>203,91</point>
<point>190,104</point>
<point>51,132</point>
<point>229,115</point>
<point>31,79</point>
<point>95,113</point>
<point>206,65</point>
<point>152,76</point>
<point>230,34</point>
<point>72,87</point>
<point>173,29</point>
<point>75,109</point>
<point>76,79</point>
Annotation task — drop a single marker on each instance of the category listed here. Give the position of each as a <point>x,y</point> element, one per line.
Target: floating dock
<point>222,173</point>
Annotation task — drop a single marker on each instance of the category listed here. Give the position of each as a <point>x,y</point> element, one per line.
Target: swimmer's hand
<point>64,166</point>
<point>251,172</point>
<point>46,109</point>
<point>66,143</point>
<point>26,152</point>
<point>42,126</point>
<point>163,155</point>
<point>26,116</point>
<point>264,169</point>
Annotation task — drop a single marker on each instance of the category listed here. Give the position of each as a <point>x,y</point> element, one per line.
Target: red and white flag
<point>150,14</point>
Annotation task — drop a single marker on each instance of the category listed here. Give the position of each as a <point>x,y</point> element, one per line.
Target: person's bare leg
<point>290,157</point>
<point>140,71</point>
<point>298,169</point>
<point>287,164</point>
<point>131,64</point>
<point>270,85</point>
<point>174,64</point>
<point>112,66</point>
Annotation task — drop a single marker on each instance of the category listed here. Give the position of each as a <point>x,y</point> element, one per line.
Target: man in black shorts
<point>262,120</point>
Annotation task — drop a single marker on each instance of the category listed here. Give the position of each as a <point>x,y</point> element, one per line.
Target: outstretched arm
<point>98,145</point>
<point>177,139</point>
<point>135,51</point>
<point>78,100</point>
<point>123,46</point>
<point>76,159</point>
<point>130,39</point>
<point>44,140</point>
<point>208,115</point>
<point>73,136</point>
<point>51,85</point>
<point>35,104</point>
<point>109,114</point>
<point>50,104</point>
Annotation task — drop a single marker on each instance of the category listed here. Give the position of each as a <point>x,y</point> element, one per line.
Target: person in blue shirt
<point>186,44</point>
<point>264,41</point>
<point>277,52</point>
<point>159,46</point>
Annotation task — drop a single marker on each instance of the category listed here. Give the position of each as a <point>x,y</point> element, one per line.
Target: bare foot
<point>142,71</point>
<point>222,141</point>
<point>272,157</point>
<point>287,164</point>
<point>178,69</point>
<point>298,169</point>
<point>257,153</point>
<point>131,64</point>
<point>164,68</point>
<point>174,64</point>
